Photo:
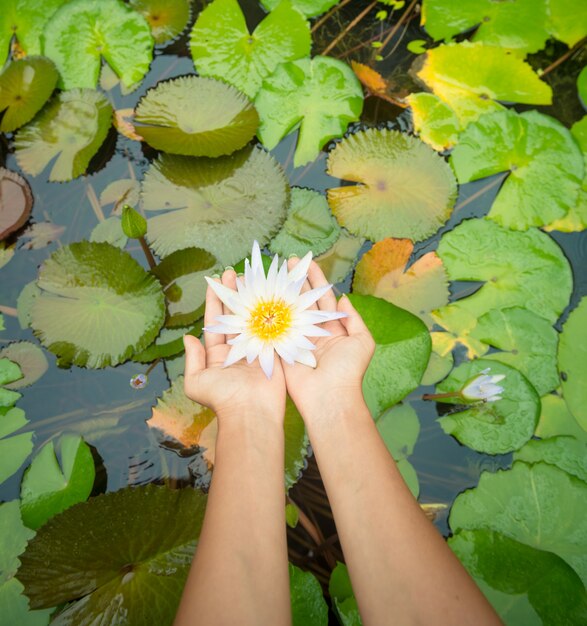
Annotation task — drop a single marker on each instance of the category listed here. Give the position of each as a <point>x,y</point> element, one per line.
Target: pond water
<point>101,406</point>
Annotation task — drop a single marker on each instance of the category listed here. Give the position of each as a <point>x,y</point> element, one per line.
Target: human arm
<point>401,569</point>
<point>240,572</point>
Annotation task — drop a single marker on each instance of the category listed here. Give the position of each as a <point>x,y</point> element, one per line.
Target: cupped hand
<point>240,391</point>
<point>342,358</point>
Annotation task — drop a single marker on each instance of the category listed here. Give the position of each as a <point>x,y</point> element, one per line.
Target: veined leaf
<point>167,18</point>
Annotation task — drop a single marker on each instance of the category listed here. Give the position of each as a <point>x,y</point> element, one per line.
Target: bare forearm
<point>401,568</point>
<point>239,574</point>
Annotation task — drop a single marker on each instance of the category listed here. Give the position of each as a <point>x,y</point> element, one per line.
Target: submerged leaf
<point>419,289</point>
<point>404,188</point>
<point>122,557</point>
<point>434,121</point>
<point>40,235</point>
<point>220,204</point>
<point>30,359</point>
<point>321,96</point>
<point>337,262</point>
<point>67,133</point>
<point>83,32</point>
<point>16,202</point>
<point>97,305</point>
<point>493,427</point>
<point>544,165</point>
<point>196,117</point>
<point>309,226</point>
<point>109,231</point>
<point>25,86</point>
<point>167,18</point>
<point>471,77</point>
<point>223,48</point>
<point>13,450</point>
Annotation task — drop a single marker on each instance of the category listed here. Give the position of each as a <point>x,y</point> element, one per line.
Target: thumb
<point>195,356</point>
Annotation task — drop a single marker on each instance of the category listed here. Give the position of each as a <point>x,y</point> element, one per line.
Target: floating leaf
<point>582,86</point>
<point>24,303</point>
<point>123,121</point>
<point>572,362</point>
<point>15,606</point>
<point>441,360</point>
<point>30,359</point>
<point>321,96</point>
<point>434,121</point>
<point>375,84</point>
<point>567,20</point>
<point>307,602</point>
<point>68,132</point>
<point>16,202</point>
<point>196,117</point>
<point>471,77</point>
<point>544,163</point>
<point>404,188</point>
<point>24,20</point>
<point>567,453</point>
<point>538,505</point>
<point>13,450</point>
<point>83,32</point>
<point>6,254</point>
<point>343,598</point>
<point>419,289</point>
<point>525,269</point>
<point>9,373</point>
<point>166,18</point>
<point>25,86</point>
<point>309,8</point>
<point>220,205</point>
<point>120,192</point>
<point>341,258</point>
<point>223,48</point>
<point>109,231</point>
<point>401,353</point>
<point>47,489</point>
<point>399,428</point>
<point>519,25</point>
<point>492,427</point>
<point>556,419</point>
<point>123,557</point>
<point>524,585</point>
<point>309,226</point>
<point>40,235</point>
<point>97,305</point>
<point>527,342</point>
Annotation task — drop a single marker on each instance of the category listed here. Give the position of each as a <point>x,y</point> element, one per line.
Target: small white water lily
<point>483,387</point>
<point>270,314</point>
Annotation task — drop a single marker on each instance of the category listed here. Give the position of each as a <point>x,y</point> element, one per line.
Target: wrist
<point>335,408</point>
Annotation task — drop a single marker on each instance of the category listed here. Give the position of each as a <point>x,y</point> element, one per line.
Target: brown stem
<point>306,523</point>
<point>148,253</point>
<point>152,366</point>
<point>95,203</point>
<point>8,310</point>
<point>364,43</point>
<point>327,16</point>
<point>349,27</point>
<point>564,57</point>
<point>438,396</point>
<point>398,24</point>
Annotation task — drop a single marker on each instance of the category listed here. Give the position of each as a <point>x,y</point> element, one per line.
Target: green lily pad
<point>168,344</point>
<point>24,303</point>
<point>572,362</point>
<point>527,342</point>
<point>434,121</point>
<point>122,557</point>
<point>97,305</point>
<point>519,25</point>
<point>567,20</point>
<point>196,117</point>
<point>309,226</point>
<point>25,86</point>
<point>556,419</point>
<point>13,450</point>
<point>9,373</point>
<point>524,585</point>
<point>526,269</point>
<point>67,133</point>
<point>337,262</point>
<point>15,606</point>
<point>48,489</point>
<point>399,428</point>
<point>544,163</point>
<point>404,188</point>
<point>440,363</point>
<point>538,505</point>
<point>473,77</point>
<point>16,202</point>
<point>221,205</point>
<point>83,32</point>
<point>410,476</point>
<point>30,359</point>
<point>24,20</point>
<point>109,231</point>
<point>568,453</point>
<point>492,427</point>
<point>308,8</point>
<point>401,353</point>
<point>222,46</point>
<point>6,254</point>
<point>582,86</point>
<point>321,96</point>
<point>166,18</point>
<point>383,272</point>
<point>343,598</point>
<point>307,602</point>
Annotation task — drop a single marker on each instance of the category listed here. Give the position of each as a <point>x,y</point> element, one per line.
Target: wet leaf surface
<point>307,602</point>
<point>434,121</point>
<point>167,18</point>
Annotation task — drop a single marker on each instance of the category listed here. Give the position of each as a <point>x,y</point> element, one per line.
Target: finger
<point>327,302</point>
<point>353,323</point>
<point>229,280</point>
<point>213,309</point>
<point>195,362</point>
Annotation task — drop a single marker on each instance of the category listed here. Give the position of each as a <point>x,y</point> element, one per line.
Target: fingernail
<point>240,275</point>
<point>215,276</point>
<point>292,256</point>
<point>229,268</point>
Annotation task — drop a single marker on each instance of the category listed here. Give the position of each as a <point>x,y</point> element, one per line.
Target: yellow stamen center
<point>270,319</point>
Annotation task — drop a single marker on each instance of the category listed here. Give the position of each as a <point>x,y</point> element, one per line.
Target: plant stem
<point>152,366</point>
<point>306,523</point>
<point>480,192</point>
<point>564,57</point>
<point>148,253</point>
<point>398,24</point>
<point>364,43</point>
<point>8,310</point>
<point>438,396</point>
<point>93,198</point>
<point>327,16</point>
<point>349,27</point>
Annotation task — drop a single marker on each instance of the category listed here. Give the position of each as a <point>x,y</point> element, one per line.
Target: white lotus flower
<point>271,315</point>
<point>483,387</point>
